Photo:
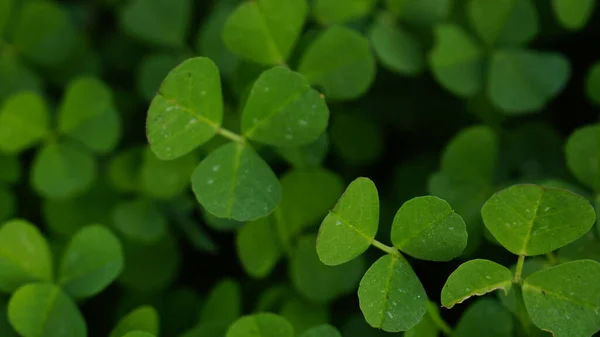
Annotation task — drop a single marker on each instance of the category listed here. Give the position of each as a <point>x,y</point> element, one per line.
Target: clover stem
<point>231,135</point>
<point>390,250</point>
<point>439,322</point>
<point>522,310</point>
<point>519,271</point>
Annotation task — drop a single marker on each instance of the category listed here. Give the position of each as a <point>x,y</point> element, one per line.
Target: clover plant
<point>222,168</point>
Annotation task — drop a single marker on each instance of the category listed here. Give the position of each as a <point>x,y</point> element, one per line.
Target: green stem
<point>389,250</point>
<point>439,322</point>
<point>231,135</point>
<point>522,311</point>
<point>519,271</point>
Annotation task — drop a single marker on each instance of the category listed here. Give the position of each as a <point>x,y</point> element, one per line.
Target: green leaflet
<point>504,22</point>
<point>187,110</point>
<point>93,259</point>
<point>475,278</point>
<point>565,299</point>
<point>144,319</point>
<point>258,246</point>
<point>44,310</point>
<point>283,110</point>
<point>62,170</point>
<point>456,61</point>
<point>592,84</point>
<point>428,229</point>
<point>522,81</point>
<point>234,182</point>
<point>397,49</point>
<point>24,121</point>
<point>583,155</point>
<point>160,22</point>
<point>350,227</point>
<point>532,220</point>
<point>88,115</point>
<point>332,12</point>
<point>340,61</point>
<point>265,31</point>
<point>261,325</point>
<point>140,220</point>
<point>318,282</point>
<point>573,14</point>
<point>422,13</point>
<point>303,314</point>
<point>223,304</point>
<point>53,38</point>
<point>324,330</point>
<point>24,255</point>
<point>485,317</point>
<point>391,296</point>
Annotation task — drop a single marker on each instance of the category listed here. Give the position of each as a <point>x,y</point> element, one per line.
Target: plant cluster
<point>208,168</point>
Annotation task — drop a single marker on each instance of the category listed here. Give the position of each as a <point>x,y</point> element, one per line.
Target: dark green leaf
<point>261,325</point>
<point>144,319</point>
<point>573,14</point>
<point>331,12</point>
<point>258,247</point>
<point>583,155</point>
<point>485,317</point>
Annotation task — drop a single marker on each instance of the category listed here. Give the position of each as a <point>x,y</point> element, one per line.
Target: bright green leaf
<point>24,255</point>
<point>44,33</point>
<point>391,296</point>
<point>224,303</point>
<point>24,121</point>
<point>340,61</point>
<point>160,22</point>
<point>428,229</point>
<point>265,31</point>
<point>573,14</point>
<point>87,114</point>
<point>62,170</point>
<point>234,182</point>
<point>324,330</point>
<point>144,319</point>
<point>456,61</point>
<point>350,227</point>
<point>522,81</point>
<point>318,282</point>
<point>44,310</point>
<point>92,260</point>
<point>533,220</point>
<point>331,12</point>
<point>485,317</point>
<point>261,325</point>
<point>583,155</point>
<point>258,246</point>
<point>475,278</point>
<point>565,299</point>
<point>504,22</point>
<point>187,110</point>
<point>283,110</point>
<point>397,49</point>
